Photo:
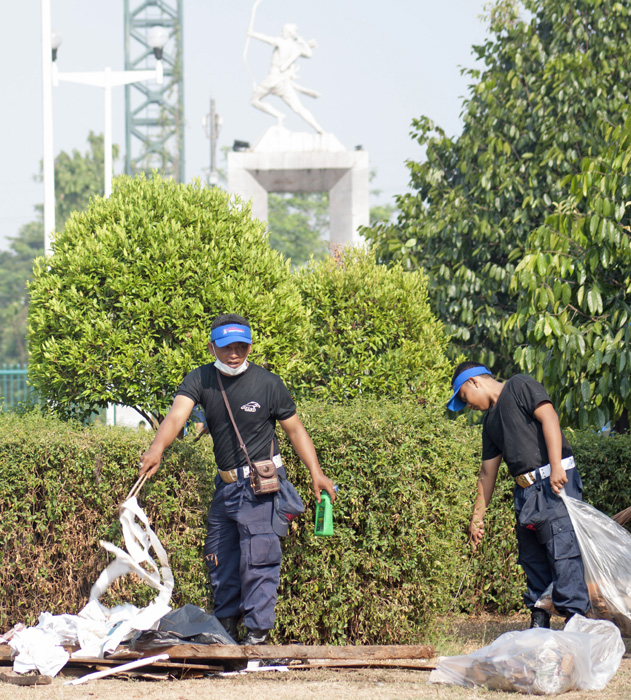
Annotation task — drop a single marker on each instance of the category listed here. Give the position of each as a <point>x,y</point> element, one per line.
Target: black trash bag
<point>186,625</point>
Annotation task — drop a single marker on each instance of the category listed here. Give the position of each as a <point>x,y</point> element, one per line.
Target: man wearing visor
<point>521,426</point>
<point>242,547</point>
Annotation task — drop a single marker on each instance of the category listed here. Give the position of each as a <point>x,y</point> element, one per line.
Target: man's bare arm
<point>485,488</point>
<point>549,420</point>
<point>302,443</point>
<point>167,432</point>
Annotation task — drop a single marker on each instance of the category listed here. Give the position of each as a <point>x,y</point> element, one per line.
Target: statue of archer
<point>281,79</point>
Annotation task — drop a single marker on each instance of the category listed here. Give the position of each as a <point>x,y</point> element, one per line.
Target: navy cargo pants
<point>548,551</point>
<point>243,553</point>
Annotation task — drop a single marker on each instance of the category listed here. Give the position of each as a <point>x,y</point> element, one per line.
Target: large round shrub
<point>372,331</point>
<point>122,309</point>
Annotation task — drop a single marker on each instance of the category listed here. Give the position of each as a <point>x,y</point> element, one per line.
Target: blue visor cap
<point>455,403</point>
<point>232,333</point>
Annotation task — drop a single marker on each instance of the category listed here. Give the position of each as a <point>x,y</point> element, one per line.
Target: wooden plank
<point>290,651</point>
<point>17,679</point>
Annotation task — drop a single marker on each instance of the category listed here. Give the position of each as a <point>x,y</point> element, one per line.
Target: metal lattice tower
<point>154,114</point>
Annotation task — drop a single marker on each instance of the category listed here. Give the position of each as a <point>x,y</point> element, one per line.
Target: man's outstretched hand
<point>150,462</point>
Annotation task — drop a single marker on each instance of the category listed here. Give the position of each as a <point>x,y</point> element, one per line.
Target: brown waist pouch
<point>264,477</point>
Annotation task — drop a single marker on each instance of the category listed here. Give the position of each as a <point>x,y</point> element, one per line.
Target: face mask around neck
<point>230,371</point>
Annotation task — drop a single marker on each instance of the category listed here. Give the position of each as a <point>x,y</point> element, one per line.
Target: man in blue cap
<point>522,427</point>
<point>242,548</point>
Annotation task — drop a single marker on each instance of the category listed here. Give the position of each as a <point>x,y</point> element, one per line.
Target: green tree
<point>77,178</point>
<point>530,117</point>
<point>16,265</point>
<point>122,310</point>
<point>298,225</point>
<point>372,331</point>
<point>573,288</point>
<point>501,14</point>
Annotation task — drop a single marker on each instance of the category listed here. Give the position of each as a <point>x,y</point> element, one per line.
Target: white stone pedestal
<point>286,161</point>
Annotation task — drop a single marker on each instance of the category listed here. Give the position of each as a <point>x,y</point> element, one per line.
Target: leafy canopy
<point>573,288</point>
<point>530,117</point>
<point>298,225</point>
<point>78,177</point>
<point>15,269</point>
<point>122,310</point>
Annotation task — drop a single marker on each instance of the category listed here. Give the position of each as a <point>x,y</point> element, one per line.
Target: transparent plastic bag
<point>606,551</point>
<point>583,656</point>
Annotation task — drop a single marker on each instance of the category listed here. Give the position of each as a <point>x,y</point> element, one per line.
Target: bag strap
<point>234,425</point>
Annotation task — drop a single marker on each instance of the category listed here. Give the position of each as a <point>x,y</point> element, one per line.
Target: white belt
<point>530,478</point>
<point>229,476</point>
<point>278,463</point>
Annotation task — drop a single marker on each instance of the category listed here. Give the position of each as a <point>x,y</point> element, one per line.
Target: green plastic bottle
<point>324,516</point>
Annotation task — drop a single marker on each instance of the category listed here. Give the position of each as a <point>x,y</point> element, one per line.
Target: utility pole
<point>212,123</point>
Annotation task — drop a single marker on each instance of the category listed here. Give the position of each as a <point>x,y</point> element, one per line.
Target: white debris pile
<point>97,629</point>
<point>583,656</point>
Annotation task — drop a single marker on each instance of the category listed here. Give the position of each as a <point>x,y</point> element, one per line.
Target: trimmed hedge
<point>605,465</point>
<point>405,477</point>
<point>398,557</point>
<point>122,309</point>
<point>60,486</point>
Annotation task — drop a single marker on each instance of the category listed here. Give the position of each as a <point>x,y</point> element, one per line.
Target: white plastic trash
<point>606,551</point>
<point>583,656</point>
<point>97,629</point>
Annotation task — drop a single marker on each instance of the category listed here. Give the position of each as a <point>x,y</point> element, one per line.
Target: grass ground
<point>454,635</point>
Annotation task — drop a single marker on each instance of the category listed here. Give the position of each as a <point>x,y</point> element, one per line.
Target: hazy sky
<point>377,66</point>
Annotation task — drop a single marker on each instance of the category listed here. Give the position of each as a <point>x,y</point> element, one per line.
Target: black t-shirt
<point>511,429</point>
<point>257,399</point>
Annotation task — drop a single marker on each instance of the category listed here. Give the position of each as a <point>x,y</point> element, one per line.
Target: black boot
<point>255,637</point>
<point>539,618</point>
<point>230,624</point>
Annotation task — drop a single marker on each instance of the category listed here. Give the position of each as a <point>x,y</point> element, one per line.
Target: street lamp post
<point>107,79</point>
<point>48,159</point>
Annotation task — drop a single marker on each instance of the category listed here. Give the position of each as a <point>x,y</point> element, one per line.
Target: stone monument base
<point>288,161</point>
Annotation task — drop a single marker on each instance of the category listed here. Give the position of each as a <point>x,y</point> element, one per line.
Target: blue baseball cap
<point>455,403</point>
<point>231,333</point>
